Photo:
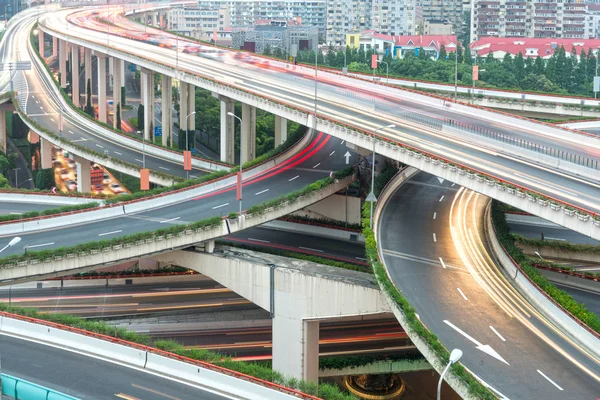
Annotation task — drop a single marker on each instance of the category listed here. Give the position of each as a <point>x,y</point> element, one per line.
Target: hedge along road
<point>43,106</point>
<point>460,296</point>
<point>316,161</point>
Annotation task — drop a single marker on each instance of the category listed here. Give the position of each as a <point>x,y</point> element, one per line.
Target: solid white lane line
<point>110,233</point>
<point>443,263</point>
<point>40,245</point>
<point>14,213</point>
<point>261,192</point>
<point>434,238</point>
<point>52,119</point>
<point>99,146</point>
<point>308,248</point>
<point>259,240</point>
<point>332,153</point>
<point>453,185</point>
<point>497,333</point>
<point>166,169</point>
<point>138,160</point>
<point>116,152</point>
<point>294,178</point>
<point>549,380</point>
<point>434,215</point>
<point>222,205</point>
<point>543,183</point>
<point>441,198</point>
<point>551,238</point>
<point>316,165</point>
<point>71,132</point>
<point>169,220</point>
<point>343,141</point>
<point>462,294</point>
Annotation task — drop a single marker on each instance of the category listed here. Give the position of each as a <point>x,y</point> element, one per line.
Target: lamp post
<point>316,83</point>
<point>387,71</point>
<point>16,177</point>
<point>143,149</point>
<point>12,242</point>
<point>371,197</point>
<point>596,74</point>
<point>456,72</point>
<point>241,123</point>
<point>454,357</point>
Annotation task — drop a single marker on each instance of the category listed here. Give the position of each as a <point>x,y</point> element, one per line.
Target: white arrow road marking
<point>440,179</point>
<point>486,348</point>
<point>347,155</point>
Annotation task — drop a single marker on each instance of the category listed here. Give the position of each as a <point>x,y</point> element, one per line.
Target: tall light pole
<point>13,241</point>
<point>187,145</point>
<point>596,74</point>
<point>143,149</point>
<point>454,357</point>
<point>456,72</point>
<point>387,71</point>
<point>241,123</point>
<point>316,83</point>
<point>371,197</point>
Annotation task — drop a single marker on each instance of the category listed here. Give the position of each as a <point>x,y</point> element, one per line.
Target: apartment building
<point>530,18</point>
<point>347,16</point>
<point>394,17</point>
<point>197,21</point>
<point>443,10</point>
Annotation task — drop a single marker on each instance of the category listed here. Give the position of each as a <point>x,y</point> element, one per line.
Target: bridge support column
<point>41,42</point>
<point>248,133</point>
<point>87,62</point>
<point>45,153</point>
<point>190,122</point>
<point>102,117</point>
<point>62,63</point>
<point>209,246</point>
<point>184,111</point>
<point>84,178</point>
<point>296,347</point>
<point>75,75</point>
<point>167,110</point>
<point>117,89</point>
<point>3,131</point>
<point>227,130</point>
<point>54,46</point>
<point>280,130</point>
<point>148,83</point>
<point>154,19</point>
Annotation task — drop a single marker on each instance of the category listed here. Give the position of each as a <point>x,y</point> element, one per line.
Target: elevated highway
<point>352,109</point>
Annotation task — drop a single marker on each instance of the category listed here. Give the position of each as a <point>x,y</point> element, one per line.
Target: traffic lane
<point>590,299</point>
<point>45,112</point>
<point>79,376</point>
<point>487,164</point>
<point>340,250</point>
<point>268,186</point>
<point>412,259</point>
<point>550,233</point>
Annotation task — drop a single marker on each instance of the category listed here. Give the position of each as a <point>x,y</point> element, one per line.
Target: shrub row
<point>558,245</point>
<point>325,222</point>
<point>355,361</point>
<point>325,391</point>
<point>164,270</point>
<point>51,211</point>
<point>565,300</point>
<point>299,256</point>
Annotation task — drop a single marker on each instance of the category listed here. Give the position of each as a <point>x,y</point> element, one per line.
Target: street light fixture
<point>371,197</point>
<point>454,357</point>
<point>187,147</point>
<point>16,177</point>
<point>13,241</point>
<point>241,123</point>
<point>143,148</point>
<point>387,70</point>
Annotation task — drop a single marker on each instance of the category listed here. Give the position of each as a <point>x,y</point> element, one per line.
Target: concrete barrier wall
<point>572,281</point>
<point>560,254</point>
<point>546,306</point>
<point>46,199</point>
<point>320,231</point>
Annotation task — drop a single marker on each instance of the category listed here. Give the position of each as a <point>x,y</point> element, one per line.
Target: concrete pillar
<point>102,116</point>
<point>191,122</point>
<point>3,131</point>
<point>183,106</point>
<point>142,87</point>
<point>296,348</point>
<point>154,19</point>
<point>280,130</point>
<point>248,133</point>
<point>148,104</point>
<point>209,246</point>
<point>117,87</point>
<point>75,74</point>
<point>41,40</point>
<point>54,46</point>
<point>227,130</point>
<point>167,107</point>
<point>122,73</point>
<point>45,153</point>
<point>87,60</point>
<point>62,63</point>
<point>84,179</point>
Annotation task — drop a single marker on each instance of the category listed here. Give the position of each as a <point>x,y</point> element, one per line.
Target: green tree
<point>119,116</point>
<point>4,164</point>
<point>459,54</point>
<point>442,55</point>
<point>277,53</point>
<point>44,178</point>
<point>464,31</point>
<point>89,109</point>
<point>141,117</point>
<point>267,51</point>
<point>124,95</point>
<point>3,182</point>
<point>539,68</point>
<point>592,65</point>
<point>529,66</point>
<point>519,67</point>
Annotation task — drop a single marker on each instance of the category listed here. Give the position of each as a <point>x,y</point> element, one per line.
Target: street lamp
<point>241,123</point>
<point>13,241</point>
<point>371,197</point>
<point>387,71</point>
<point>456,72</point>
<point>454,357</point>
<point>16,177</point>
<point>143,149</point>
<point>187,147</point>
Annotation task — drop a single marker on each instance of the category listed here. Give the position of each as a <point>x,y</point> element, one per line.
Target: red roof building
<point>530,47</point>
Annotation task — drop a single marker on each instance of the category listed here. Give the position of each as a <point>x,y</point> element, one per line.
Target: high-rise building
<point>530,18</point>
<point>443,10</point>
<point>347,16</point>
<point>196,21</point>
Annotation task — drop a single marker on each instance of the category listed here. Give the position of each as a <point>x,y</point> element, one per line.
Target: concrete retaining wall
<point>547,307</point>
<point>45,199</point>
<point>559,254</point>
<point>571,281</point>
